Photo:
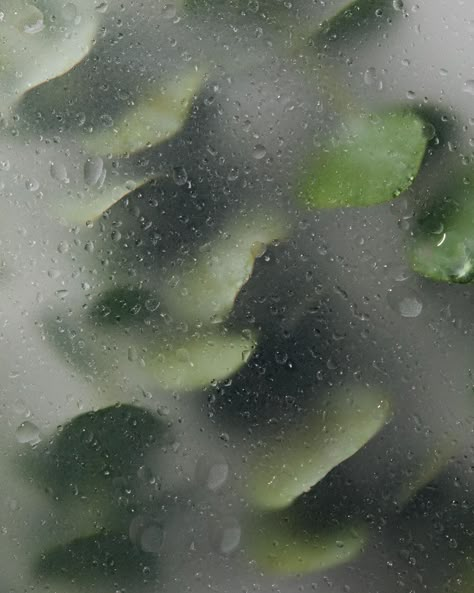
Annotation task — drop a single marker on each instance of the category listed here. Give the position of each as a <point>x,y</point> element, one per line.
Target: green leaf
<point>372,160</point>
<point>39,42</point>
<point>159,114</point>
<point>199,360</point>
<point>87,203</point>
<point>308,452</point>
<point>87,454</point>
<point>354,19</point>
<point>443,244</point>
<point>121,305</point>
<point>205,290</point>
<point>281,546</point>
<point>96,559</point>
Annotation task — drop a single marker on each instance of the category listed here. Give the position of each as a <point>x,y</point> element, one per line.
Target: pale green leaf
<point>205,290</point>
<point>280,546</point>
<point>343,424</point>
<point>40,41</point>
<point>198,361</point>
<point>373,159</point>
<point>159,114</point>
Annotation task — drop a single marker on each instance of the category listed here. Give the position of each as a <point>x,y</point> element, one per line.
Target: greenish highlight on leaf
<point>200,360</point>
<point>158,116</point>
<point>443,244</point>
<point>308,452</point>
<point>281,547</point>
<point>206,289</point>
<point>373,160</point>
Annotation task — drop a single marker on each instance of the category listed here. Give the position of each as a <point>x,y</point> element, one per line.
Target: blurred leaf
<point>443,244</point>
<point>199,360</point>
<point>354,18</point>
<point>81,204</point>
<point>76,346</point>
<point>158,116</point>
<point>95,559</point>
<point>427,471</point>
<point>373,160</point>
<point>97,448</point>
<point>207,287</point>
<point>121,305</point>
<point>308,452</point>
<point>281,546</point>
<point>41,43</point>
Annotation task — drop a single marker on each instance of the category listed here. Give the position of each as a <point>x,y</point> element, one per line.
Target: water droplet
<point>63,247</point>
<point>147,533</point>
<point>259,151</point>
<point>69,11</point>
<point>102,7</point>
<point>32,184</point>
<point>370,76</point>
<point>398,4</point>
<point>169,11</point>
<point>4,165</point>
<point>93,170</point>
<point>405,301</point>
<point>28,432</point>
<point>469,87</point>
<point>180,175</point>
<point>225,535</point>
<point>211,471</point>
<point>58,172</point>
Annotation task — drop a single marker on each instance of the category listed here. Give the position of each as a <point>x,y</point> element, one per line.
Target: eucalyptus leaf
<point>205,290</point>
<point>356,18</point>
<point>373,159</point>
<point>158,115</point>
<point>87,454</point>
<point>443,245</point>
<point>199,360</point>
<point>280,546</point>
<point>343,424</point>
<point>40,42</point>
<point>87,203</point>
<point>96,559</point>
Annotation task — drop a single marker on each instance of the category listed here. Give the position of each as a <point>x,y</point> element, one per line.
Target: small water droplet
<point>225,535</point>
<point>469,87</point>
<point>69,11</point>
<point>211,471</point>
<point>147,533</point>
<point>28,432</point>
<point>58,172</point>
<point>180,175</point>
<point>93,170</point>
<point>405,301</point>
<point>102,7</point>
<point>259,151</point>
<point>398,4</point>
<point>32,184</point>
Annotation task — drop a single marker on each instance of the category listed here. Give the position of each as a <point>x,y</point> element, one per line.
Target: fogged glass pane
<point>236,332</point>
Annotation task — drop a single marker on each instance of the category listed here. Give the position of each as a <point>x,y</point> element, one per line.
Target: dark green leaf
<point>95,559</point>
<point>355,19</point>
<point>373,159</point>
<point>122,305</point>
<point>97,450</point>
